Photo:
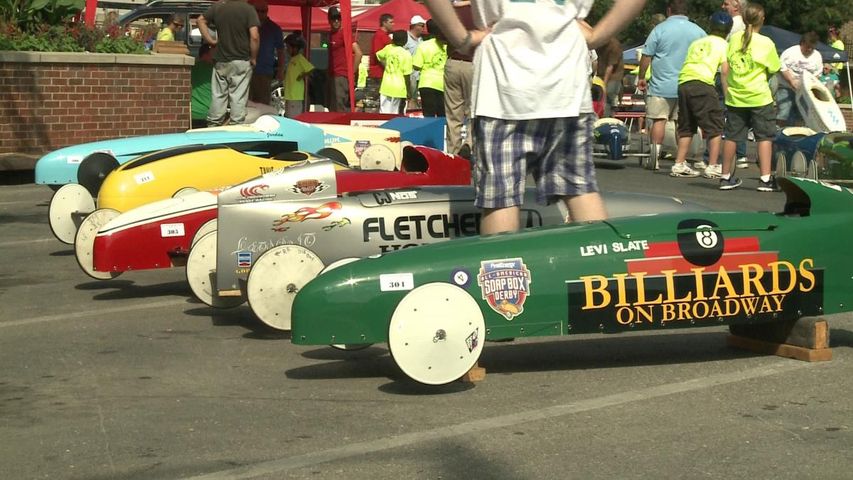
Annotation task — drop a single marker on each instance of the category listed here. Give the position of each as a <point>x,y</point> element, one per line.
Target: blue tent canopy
<point>784,39</point>
<point>630,56</point>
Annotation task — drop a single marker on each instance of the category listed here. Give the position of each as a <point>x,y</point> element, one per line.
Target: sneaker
<point>729,183</point>
<point>700,165</point>
<point>768,186</point>
<point>742,162</point>
<point>713,171</point>
<point>683,170</point>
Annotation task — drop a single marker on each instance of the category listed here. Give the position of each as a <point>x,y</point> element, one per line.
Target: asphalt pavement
<point>132,378</point>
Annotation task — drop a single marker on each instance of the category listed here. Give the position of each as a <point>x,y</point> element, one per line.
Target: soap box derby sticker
<point>505,285</point>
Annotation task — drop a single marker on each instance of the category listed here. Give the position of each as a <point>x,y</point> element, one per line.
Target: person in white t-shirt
<point>531,102</point>
<point>796,60</point>
<point>735,8</point>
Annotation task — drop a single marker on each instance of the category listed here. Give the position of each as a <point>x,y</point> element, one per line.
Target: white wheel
<point>201,274</point>
<point>339,263</point>
<point>209,226</point>
<point>436,333</point>
<point>349,347</point>
<point>84,242</point>
<point>781,165</point>
<point>811,172</point>
<point>799,164</point>
<point>184,192</point>
<point>378,157</point>
<point>275,279</point>
<point>69,203</point>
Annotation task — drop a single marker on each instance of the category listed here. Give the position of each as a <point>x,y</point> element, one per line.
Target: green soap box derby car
<point>435,305</point>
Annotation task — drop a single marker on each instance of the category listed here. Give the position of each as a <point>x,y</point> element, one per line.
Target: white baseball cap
<point>416,20</point>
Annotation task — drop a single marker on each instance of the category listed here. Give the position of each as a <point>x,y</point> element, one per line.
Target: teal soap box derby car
<point>435,305</point>
<point>89,163</point>
<point>354,144</point>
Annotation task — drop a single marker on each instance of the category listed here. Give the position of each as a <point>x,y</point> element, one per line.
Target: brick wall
<point>52,100</point>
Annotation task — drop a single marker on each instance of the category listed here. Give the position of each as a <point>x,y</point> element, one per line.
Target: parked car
<point>436,305</point>
<point>153,15</point>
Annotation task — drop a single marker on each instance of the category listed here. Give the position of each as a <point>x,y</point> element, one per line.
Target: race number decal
<point>393,282</point>
<point>172,230</point>
<point>144,177</point>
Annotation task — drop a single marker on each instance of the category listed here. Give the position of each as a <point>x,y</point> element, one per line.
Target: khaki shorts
<point>659,108</point>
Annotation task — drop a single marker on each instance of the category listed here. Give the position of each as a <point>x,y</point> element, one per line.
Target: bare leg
<point>729,148</point>
<point>586,208</point>
<point>765,152</point>
<point>658,130</point>
<point>713,149</point>
<point>498,220</point>
<point>683,146</point>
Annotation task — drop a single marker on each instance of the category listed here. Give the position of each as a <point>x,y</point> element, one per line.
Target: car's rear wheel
<point>201,274</point>
<point>94,169</point>
<point>799,164</point>
<point>207,227</point>
<point>84,242</point>
<point>67,206</point>
<point>275,279</point>
<point>334,155</point>
<point>781,165</point>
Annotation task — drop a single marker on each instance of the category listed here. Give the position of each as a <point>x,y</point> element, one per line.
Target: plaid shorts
<point>557,152</point>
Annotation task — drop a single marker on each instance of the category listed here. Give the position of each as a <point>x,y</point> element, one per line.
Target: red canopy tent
<point>402,10</point>
<point>306,10</point>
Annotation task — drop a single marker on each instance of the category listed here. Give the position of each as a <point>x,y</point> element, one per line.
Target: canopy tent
<point>402,10</point>
<point>631,56</point>
<point>289,18</point>
<point>784,39</point>
<point>305,12</point>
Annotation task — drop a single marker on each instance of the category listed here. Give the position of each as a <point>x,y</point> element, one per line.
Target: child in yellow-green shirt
<point>429,59</point>
<point>394,89</point>
<point>752,59</point>
<point>294,76</point>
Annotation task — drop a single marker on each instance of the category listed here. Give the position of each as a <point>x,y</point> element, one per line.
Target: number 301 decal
<point>396,282</point>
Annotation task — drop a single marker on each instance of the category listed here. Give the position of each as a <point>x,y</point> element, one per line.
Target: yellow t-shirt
<point>165,35</point>
<point>704,57</point>
<point>294,89</point>
<point>838,45</point>
<point>430,57</point>
<point>398,64</point>
<point>749,71</point>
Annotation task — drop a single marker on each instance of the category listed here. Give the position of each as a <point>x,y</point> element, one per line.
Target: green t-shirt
<point>430,57</point>
<point>200,97</point>
<point>398,64</point>
<point>704,57</point>
<point>294,89</point>
<point>749,71</point>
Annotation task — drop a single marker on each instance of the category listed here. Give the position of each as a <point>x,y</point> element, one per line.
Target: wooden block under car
<point>804,339</point>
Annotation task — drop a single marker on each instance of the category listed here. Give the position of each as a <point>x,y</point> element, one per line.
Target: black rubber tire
<point>94,169</point>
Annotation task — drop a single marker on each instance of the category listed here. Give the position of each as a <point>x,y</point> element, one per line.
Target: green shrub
<point>71,38</point>
<point>49,26</point>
